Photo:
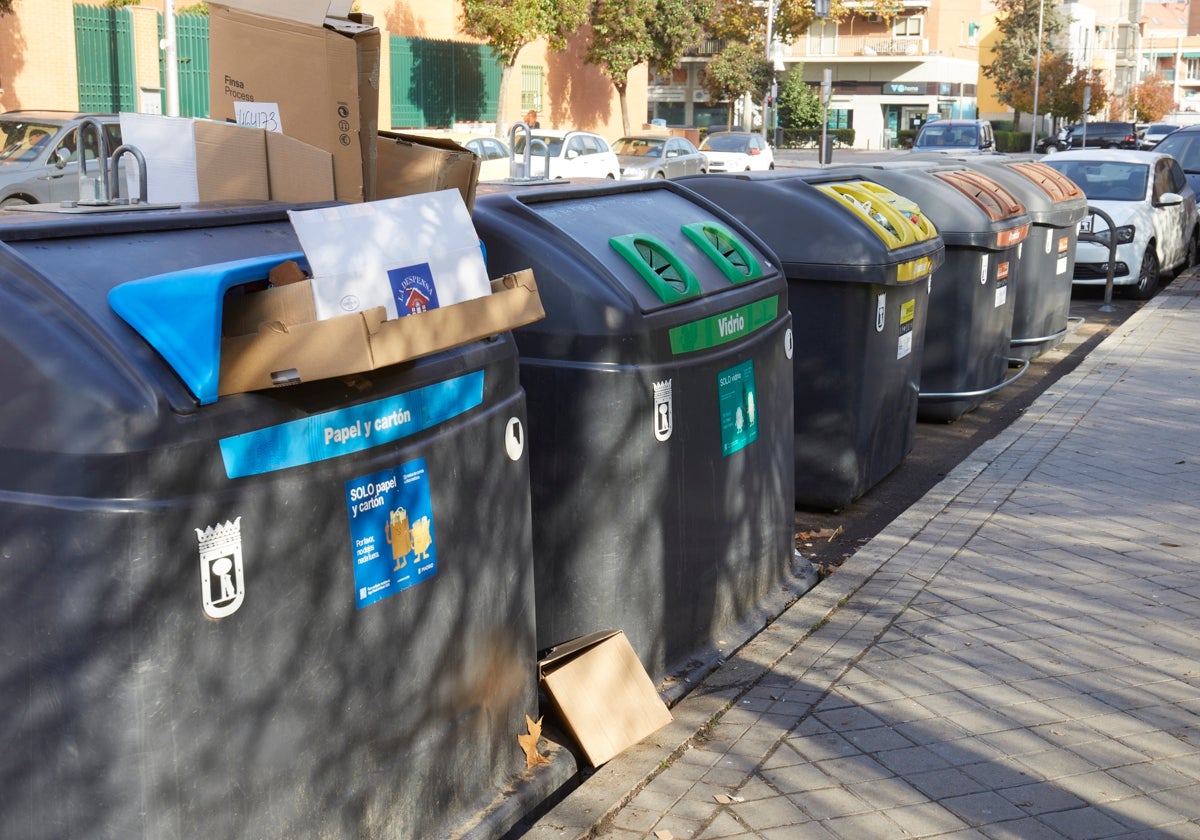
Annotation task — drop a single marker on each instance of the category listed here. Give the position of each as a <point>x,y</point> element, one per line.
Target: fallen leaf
<point>663,834</point>
<point>529,743</point>
<point>723,798</point>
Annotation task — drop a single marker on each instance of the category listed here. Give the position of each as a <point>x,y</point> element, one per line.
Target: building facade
<point>43,65</point>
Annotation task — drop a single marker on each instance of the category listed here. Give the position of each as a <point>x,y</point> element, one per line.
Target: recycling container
<point>969,330</point>
<point>1056,206</point>
<point>300,612</point>
<point>858,272</point>
<point>660,413</point>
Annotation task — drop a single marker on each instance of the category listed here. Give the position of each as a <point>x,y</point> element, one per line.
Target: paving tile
<point>926,819</point>
<point>1086,823</point>
<point>829,802</point>
<point>768,813</point>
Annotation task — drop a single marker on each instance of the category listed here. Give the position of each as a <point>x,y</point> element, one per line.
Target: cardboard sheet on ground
<point>408,254</point>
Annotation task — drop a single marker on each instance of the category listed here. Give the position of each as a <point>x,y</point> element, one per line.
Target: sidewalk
<point>1016,656</point>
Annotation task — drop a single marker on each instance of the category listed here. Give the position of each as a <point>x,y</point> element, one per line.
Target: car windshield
<point>1106,180</point>
<point>948,135</point>
<point>725,143</point>
<point>1184,146</point>
<point>539,145</point>
<point>21,140</point>
<point>639,147</point>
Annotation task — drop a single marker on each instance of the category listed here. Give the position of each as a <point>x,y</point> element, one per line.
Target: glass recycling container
<point>971,303</point>
<point>858,269</point>
<point>1056,206</point>
<point>660,414</point>
<point>283,613</point>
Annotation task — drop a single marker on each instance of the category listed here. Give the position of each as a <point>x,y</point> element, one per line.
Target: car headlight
<point>1125,234</point>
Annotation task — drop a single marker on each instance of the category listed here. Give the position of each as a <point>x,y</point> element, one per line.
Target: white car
<point>1152,207</point>
<point>737,151</point>
<point>572,154</point>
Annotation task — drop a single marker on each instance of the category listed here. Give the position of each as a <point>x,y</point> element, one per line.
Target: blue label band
<point>348,430</point>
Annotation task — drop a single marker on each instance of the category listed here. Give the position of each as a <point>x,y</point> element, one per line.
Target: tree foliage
<point>1015,63</point>
<point>1152,99</point>
<point>1066,99</point>
<point>738,69</point>
<point>508,26</point>
<point>799,105</point>
<point>746,20</point>
<point>6,6</point>
<point>626,33</point>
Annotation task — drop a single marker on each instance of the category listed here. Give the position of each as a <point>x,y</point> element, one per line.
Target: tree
<point>626,33</point>
<point>1152,99</point>
<point>1066,100</point>
<point>1015,64</point>
<point>799,105</point>
<point>509,25</point>
<point>5,6</point>
<point>737,69</point>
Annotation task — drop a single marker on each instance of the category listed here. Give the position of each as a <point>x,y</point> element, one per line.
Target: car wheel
<point>1051,149</point>
<point>1147,281</point>
<point>13,201</point>
<point>662,175</point>
<point>772,166</point>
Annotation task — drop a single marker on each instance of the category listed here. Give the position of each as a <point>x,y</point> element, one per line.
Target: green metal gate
<point>104,54</point>
<point>438,83</point>
<point>191,50</point>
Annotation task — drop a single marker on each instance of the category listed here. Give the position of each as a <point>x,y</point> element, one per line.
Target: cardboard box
<point>313,77</point>
<point>271,337</point>
<point>189,160</point>
<point>602,694</point>
<point>409,164</point>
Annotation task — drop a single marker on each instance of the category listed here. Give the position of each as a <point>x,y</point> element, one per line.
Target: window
<point>1193,69</point>
<point>908,26</point>
<point>531,88</point>
<point>841,118</point>
<point>822,37</point>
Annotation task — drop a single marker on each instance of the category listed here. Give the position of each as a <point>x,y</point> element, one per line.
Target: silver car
<point>658,156</point>
<point>39,155</point>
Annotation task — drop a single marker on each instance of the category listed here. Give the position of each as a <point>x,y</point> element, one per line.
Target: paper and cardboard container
<point>315,77</point>
<point>272,337</point>
<point>602,694</point>
<point>410,163</point>
<point>189,160</point>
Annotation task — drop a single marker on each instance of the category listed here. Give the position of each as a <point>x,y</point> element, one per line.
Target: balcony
<point>861,46</point>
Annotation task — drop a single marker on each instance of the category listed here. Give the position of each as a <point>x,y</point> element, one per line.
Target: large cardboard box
<point>189,160</point>
<point>294,70</point>
<point>271,337</point>
<point>602,694</point>
<point>410,164</point>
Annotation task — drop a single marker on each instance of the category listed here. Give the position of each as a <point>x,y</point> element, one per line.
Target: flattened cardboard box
<point>602,694</point>
<point>271,337</point>
<point>409,164</point>
<point>325,80</point>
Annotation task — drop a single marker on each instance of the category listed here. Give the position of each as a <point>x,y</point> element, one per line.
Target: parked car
<point>1153,209</point>
<point>39,155</point>
<point>658,156</point>
<point>1102,135</point>
<point>572,154</point>
<point>1184,146</point>
<point>1153,134</point>
<point>737,151</point>
<point>955,135</point>
<point>1052,144</point>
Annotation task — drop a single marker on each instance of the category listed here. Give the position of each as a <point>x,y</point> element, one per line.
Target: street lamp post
<point>1037,77</point>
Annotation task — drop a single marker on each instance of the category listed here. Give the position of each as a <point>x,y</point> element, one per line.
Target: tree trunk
<point>502,104</point>
<point>621,90</point>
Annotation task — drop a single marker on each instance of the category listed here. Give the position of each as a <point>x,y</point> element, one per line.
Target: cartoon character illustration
<point>422,538</point>
<point>398,537</point>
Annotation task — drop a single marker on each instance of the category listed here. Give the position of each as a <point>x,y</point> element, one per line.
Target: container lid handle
<point>179,314</point>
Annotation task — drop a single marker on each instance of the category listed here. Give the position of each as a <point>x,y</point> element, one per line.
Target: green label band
<point>724,328</point>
